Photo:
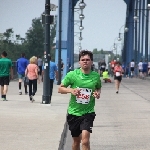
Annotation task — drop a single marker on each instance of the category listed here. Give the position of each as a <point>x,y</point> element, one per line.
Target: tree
<point>95,51</point>
<point>31,45</point>
<point>35,39</point>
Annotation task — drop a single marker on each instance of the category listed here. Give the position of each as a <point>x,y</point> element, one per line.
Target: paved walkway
<point>122,121</point>
<point>31,126</point>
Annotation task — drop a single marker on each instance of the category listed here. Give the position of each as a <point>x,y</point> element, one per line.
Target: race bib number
<point>84,95</point>
<point>103,66</point>
<point>112,65</point>
<point>118,74</point>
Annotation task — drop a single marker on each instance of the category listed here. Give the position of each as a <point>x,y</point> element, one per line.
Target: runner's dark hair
<point>86,52</point>
<point>4,53</point>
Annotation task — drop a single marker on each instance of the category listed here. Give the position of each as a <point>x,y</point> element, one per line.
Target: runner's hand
<point>96,94</point>
<point>75,92</point>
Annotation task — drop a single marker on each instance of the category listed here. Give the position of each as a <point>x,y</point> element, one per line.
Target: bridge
<point>136,40</point>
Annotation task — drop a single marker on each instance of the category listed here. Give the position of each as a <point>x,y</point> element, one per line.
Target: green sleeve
<point>68,79</point>
<point>98,85</point>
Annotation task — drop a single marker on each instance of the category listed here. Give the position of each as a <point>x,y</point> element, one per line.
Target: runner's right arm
<point>68,80</point>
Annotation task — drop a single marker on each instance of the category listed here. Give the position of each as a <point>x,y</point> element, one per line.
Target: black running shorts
<point>79,123</point>
<point>119,78</point>
<point>4,80</point>
<point>132,68</point>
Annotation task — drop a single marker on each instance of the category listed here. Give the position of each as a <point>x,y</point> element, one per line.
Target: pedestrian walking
<point>85,86</point>
<point>112,66</point>
<point>21,64</point>
<point>40,64</point>
<point>118,71</point>
<point>140,66</point>
<point>53,73</point>
<point>132,65</point>
<point>62,68</point>
<point>126,71</point>
<point>145,69</point>
<point>102,67</point>
<point>5,73</point>
<point>32,74</point>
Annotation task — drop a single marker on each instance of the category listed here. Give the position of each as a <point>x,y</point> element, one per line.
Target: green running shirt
<point>87,83</point>
<point>5,65</point>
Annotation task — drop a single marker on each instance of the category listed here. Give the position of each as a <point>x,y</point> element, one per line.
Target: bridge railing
<point>14,66</point>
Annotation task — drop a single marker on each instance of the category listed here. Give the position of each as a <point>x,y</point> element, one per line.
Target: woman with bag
<point>32,74</point>
<point>118,71</point>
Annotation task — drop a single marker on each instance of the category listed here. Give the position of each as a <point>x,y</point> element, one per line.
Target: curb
<point>63,137</point>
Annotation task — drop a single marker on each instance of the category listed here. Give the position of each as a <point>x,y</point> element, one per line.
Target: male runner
<point>5,73</point>
<point>85,86</point>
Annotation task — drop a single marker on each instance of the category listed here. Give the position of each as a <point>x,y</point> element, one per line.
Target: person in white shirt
<point>132,65</point>
<point>140,69</point>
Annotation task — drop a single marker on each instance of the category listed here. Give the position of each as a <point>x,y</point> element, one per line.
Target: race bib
<point>84,96</point>
<point>103,66</point>
<point>118,74</point>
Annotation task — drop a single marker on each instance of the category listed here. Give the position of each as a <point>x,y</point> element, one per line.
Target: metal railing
<point>14,66</point>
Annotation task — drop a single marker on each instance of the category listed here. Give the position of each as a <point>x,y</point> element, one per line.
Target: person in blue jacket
<point>21,65</point>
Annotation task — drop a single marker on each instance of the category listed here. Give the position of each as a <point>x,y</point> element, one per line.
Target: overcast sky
<point>103,19</point>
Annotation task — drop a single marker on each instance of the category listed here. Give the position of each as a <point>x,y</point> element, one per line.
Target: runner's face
<point>85,62</point>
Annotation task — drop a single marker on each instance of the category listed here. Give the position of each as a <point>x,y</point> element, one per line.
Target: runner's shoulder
<point>72,73</point>
<point>95,74</point>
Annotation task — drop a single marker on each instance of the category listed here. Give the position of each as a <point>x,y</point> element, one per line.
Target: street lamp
<point>46,99</point>
<point>81,16</point>
<point>80,38</point>
<point>82,4</point>
<point>125,30</point>
<point>81,28</point>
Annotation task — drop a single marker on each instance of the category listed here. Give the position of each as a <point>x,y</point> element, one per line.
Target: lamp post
<point>47,20</point>
<point>46,81</point>
<point>59,46</point>
<point>81,17</point>
<point>125,30</point>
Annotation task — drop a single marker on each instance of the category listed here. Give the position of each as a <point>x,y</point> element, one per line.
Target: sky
<point>103,20</point>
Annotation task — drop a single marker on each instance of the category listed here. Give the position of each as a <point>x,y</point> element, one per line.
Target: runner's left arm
<point>97,91</point>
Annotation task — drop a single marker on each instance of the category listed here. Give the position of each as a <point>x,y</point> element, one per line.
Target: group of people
<point>141,69</point>
<point>34,70</point>
<point>115,69</point>
<point>83,84</point>
<point>31,69</point>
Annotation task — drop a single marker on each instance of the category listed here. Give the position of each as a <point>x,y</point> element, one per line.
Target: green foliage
<point>95,51</point>
<point>35,39</point>
<point>31,45</point>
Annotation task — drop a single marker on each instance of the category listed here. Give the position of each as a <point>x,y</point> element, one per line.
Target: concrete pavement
<point>123,120</point>
<point>31,126</point>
